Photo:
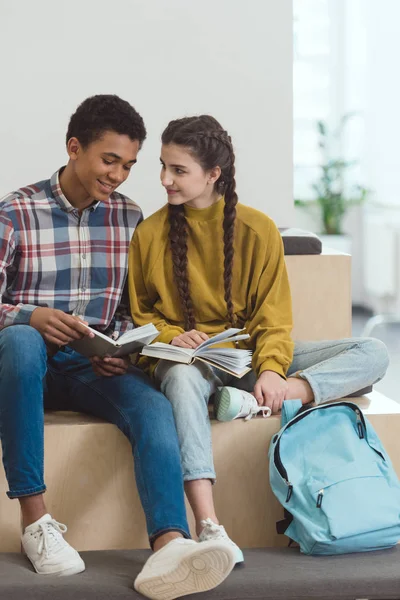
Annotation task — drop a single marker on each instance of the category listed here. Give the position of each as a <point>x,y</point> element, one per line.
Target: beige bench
<point>89,473</point>
<point>89,465</point>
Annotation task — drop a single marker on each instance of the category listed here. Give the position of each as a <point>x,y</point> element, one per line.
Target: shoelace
<point>250,404</point>
<point>46,530</point>
<point>264,410</point>
<point>212,530</point>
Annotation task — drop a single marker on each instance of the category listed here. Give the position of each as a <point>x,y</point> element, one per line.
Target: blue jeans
<point>334,369</point>
<point>30,382</point>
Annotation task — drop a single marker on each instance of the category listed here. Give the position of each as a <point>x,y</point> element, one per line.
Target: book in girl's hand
<point>129,342</point>
<point>235,361</point>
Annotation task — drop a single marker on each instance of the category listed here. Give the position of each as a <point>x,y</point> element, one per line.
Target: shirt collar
<point>58,195</point>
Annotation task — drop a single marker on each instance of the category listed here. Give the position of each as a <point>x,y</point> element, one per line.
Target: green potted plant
<point>333,198</point>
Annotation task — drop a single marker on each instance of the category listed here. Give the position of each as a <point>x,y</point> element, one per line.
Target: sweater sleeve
<point>270,320</point>
<point>143,296</point>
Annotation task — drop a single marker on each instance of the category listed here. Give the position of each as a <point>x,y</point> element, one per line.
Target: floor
<point>390,335</point>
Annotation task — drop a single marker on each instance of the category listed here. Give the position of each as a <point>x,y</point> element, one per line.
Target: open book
<point>101,345</point>
<point>235,361</point>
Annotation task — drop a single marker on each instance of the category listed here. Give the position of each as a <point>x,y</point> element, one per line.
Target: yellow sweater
<point>260,288</point>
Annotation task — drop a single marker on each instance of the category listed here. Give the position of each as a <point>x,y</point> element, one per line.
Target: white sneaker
<point>47,550</point>
<point>185,567</point>
<point>212,531</point>
<point>231,403</point>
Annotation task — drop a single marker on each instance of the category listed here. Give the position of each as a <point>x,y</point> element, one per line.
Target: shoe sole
<point>239,558</point>
<point>223,401</point>
<point>203,570</point>
<point>74,570</point>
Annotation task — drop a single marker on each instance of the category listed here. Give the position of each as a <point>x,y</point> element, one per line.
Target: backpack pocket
<point>355,499</point>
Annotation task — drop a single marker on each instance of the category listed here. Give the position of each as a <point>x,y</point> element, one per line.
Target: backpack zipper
<point>277,459</point>
<point>359,425</point>
<point>290,490</point>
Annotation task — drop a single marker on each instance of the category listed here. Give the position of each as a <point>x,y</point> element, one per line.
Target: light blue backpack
<point>334,479</point>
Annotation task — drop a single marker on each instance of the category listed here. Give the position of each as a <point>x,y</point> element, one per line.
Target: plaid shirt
<point>51,256</point>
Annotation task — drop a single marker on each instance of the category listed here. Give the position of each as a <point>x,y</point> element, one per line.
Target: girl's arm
<point>141,299</point>
<point>270,316</point>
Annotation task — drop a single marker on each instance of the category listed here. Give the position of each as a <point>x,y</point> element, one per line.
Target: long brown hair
<point>211,146</point>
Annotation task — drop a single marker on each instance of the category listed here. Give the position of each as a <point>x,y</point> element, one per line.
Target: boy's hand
<point>57,327</point>
<point>109,367</point>
<point>270,390</point>
<point>190,339</point>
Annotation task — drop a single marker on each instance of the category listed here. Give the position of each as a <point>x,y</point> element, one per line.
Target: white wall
<point>169,58</point>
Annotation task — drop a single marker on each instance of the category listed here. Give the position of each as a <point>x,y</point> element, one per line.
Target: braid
<point>227,185</point>
<point>231,199</point>
<point>220,135</point>
<point>178,234</point>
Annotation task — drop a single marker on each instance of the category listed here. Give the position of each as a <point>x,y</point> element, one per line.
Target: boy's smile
<point>96,171</point>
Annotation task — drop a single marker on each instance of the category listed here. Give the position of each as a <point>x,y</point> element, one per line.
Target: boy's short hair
<point>105,112</point>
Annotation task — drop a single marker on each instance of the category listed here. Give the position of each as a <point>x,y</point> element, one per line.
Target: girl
<point>203,263</point>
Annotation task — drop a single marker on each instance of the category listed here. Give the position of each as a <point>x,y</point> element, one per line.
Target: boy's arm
<point>10,314</point>
<point>55,326</point>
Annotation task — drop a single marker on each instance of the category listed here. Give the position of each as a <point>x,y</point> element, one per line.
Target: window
<point>329,53</point>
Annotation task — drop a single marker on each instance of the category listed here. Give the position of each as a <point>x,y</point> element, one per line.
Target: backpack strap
<point>290,408</point>
<point>281,526</point>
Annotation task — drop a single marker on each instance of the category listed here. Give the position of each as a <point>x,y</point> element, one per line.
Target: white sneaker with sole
<point>212,531</point>
<point>47,550</point>
<point>185,567</point>
<point>231,403</point>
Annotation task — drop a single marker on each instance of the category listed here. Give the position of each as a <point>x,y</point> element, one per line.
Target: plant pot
<point>341,243</point>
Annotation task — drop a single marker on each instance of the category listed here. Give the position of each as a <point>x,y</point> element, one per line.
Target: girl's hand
<point>190,339</point>
<point>270,390</point>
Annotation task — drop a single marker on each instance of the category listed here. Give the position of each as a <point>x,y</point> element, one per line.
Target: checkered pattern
<point>51,256</point>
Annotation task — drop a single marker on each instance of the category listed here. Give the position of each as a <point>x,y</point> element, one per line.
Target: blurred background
<point>346,103</point>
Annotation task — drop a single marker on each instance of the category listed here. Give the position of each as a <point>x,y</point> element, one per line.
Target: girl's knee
<point>180,372</point>
<point>377,353</point>
<point>180,381</point>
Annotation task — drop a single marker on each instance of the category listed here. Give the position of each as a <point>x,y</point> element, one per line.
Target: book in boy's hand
<point>129,342</point>
<point>235,361</point>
